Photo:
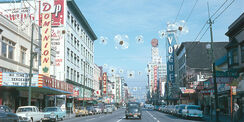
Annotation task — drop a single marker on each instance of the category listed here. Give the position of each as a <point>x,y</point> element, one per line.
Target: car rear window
<point>133,105</point>
<point>193,107</point>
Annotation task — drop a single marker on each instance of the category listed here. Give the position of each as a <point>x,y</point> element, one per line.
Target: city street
<point>118,116</point>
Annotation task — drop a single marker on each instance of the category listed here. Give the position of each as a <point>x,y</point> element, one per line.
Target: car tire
<point>56,119</point>
<point>140,117</point>
<point>126,117</point>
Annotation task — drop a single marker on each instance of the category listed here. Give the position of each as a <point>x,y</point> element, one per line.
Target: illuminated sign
<point>104,82</point>
<point>57,13</point>
<point>155,77</point>
<point>171,47</point>
<point>46,37</point>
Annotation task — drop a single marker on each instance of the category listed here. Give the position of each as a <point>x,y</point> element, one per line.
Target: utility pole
<point>31,63</point>
<point>213,69</point>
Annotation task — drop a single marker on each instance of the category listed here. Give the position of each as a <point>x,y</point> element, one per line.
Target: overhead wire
<point>179,10</point>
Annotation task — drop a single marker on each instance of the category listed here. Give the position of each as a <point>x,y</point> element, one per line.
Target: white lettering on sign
<point>170,40</point>
<point>170,49</point>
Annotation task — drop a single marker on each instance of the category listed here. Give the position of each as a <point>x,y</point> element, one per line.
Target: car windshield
<point>3,109</point>
<point>50,109</point>
<point>24,110</point>
<point>193,107</point>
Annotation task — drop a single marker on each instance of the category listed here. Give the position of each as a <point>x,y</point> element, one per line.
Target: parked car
<point>84,112</point>
<point>149,106</point>
<point>170,109</point>
<point>108,109</point>
<point>179,110</point>
<point>98,109</point>
<point>133,109</point>
<point>156,107</point>
<point>161,108</point>
<point>174,111</point>
<point>29,113</point>
<point>53,114</point>
<point>91,110</point>
<point>165,109</point>
<point>78,112</point>
<point>6,114</point>
<point>192,111</point>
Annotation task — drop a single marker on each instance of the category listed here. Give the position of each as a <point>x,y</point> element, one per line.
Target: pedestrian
<point>235,112</point>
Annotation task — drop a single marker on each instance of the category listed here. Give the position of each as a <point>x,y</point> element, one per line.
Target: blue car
<point>53,114</point>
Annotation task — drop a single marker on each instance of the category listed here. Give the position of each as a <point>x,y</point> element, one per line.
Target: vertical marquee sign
<point>46,9</point>
<point>104,83</point>
<point>155,77</point>
<point>170,49</point>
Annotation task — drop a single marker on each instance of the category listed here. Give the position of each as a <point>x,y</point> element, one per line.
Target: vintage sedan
<point>53,114</point>
<point>29,114</point>
<point>6,115</point>
<point>193,111</point>
<point>133,109</point>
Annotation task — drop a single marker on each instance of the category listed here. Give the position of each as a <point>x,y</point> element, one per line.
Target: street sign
<point>226,74</point>
<point>233,90</point>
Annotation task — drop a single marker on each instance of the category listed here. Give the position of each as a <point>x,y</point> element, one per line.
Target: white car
<point>149,106</point>
<point>98,109</point>
<point>192,111</point>
<point>108,109</point>
<point>29,114</point>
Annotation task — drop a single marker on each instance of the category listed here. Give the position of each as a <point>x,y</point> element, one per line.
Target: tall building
<point>72,40</point>
<point>156,73</point>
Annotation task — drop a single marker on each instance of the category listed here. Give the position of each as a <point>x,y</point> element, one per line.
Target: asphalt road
<point>118,116</point>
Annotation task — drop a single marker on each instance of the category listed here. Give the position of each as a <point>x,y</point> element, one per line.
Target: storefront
<point>14,89</point>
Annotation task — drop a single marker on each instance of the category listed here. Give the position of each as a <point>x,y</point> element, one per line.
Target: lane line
<point>153,117</point>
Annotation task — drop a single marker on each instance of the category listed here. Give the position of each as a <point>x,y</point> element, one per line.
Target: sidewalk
<point>69,116</point>
<point>222,118</point>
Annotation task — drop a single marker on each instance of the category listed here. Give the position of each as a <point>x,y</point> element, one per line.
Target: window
<point>78,43</point>
<point>68,53</point>
<point>75,42</point>
<point>71,74</point>
<point>71,56</point>
<point>78,27</point>
<point>68,14</point>
<point>23,55</point>
<point>7,48</point>
<point>67,72</point>
<point>235,56</point>
<point>72,38</point>
<point>78,61</point>
<point>4,49</point>
<point>78,77</point>
<point>242,53</point>
<point>72,20</point>
<point>75,76</point>
<point>75,59</point>
<point>75,23</point>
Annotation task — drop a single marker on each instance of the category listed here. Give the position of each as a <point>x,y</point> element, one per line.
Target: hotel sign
<point>104,82</point>
<point>46,7</point>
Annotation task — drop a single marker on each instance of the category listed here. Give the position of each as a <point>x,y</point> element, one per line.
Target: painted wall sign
<point>46,37</point>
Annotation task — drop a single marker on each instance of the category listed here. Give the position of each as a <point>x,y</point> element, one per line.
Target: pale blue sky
<point>146,17</point>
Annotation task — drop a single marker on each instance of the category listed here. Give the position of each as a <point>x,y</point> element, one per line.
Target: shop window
<point>23,55</point>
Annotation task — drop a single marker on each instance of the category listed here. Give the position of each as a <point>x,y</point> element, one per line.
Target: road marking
<point>120,119</point>
<point>90,119</point>
<point>153,117</point>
